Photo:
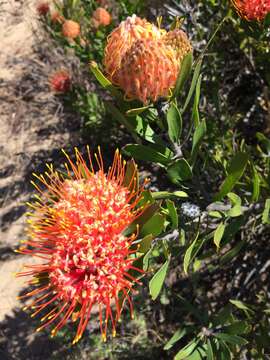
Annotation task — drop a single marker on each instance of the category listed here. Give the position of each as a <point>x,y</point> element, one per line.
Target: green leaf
<point>172,213</point>
<point>174,121</point>
<point>197,140</point>
<point>218,234</point>
<point>195,110</point>
<point>189,254</point>
<point>154,226</point>
<point>179,171</point>
<point>142,152</point>
<point>104,82</point>
<point>266,21</point>
<point>236,210</point>
<point>178,335</point>
<point>196,74</point>
<point>209,352</point>
<point>131,175</point>
<point>235,171</point>
<point>185,70</point>
<point>166,194</point>
<point>137,111</point>
<point>145,243</point>
<point>142,128</point>
<point>240,305</point>
<point>256,185</point>
<point>265,215</point>
<point>238,327</point>
<point>187,350</point>
<point>231,339</point>
<point>156,283</point>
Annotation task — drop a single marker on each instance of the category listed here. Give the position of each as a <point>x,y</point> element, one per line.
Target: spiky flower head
<point>60,81</point>
<point>122,38</point>
<point>148,70</point>
<point>76,228</point>
<point>145,60</point>
<point>252,10</point>
<point>43,8</point>
<point>101,17</point>
<point>71,29</point>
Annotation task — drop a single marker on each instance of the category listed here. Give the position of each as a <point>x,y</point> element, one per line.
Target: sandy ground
<point>33,130</point>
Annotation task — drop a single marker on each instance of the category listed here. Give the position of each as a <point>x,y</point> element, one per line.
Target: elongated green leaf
<point>256,185</point>
<point>197,140</point>
<point>185,70</point>
<point>209,352</point>
<point>156,283</point>
<point>240,305</point>
<point>145,243</point>
<point>166,194</point>
<point>174,121</point>
<point>104,82</point>
<point>118,116</point>
<point>179,171</point>
<point>137,111</point>
<point>219,234</point>
<point>131,175</point>
<point>231,339</point>
<point>195,110</point>
<point>147,153</point>
<point>236,209</point>
<point>189,253</point>
<point>196,74</point>
<point>153,226</point>
<point>238,327</point>
<point>187,350</point>
<point>235,171</point>
<point>265,215</point>
<point>172,213</point>
<point>178,335</point>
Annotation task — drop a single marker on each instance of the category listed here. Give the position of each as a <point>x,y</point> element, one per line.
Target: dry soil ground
<point>33,129</point>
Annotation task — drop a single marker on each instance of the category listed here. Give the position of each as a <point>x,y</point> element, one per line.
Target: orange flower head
<point>101,17</point>
<point>56,17</point>
<point>252,10</point>
<point>122,39</point>
<point>71,29</point>
<point>148,71</point>
<point>179,41</point>
<point>43,8</point>
<point>76,228</point>
<point>60,81</point>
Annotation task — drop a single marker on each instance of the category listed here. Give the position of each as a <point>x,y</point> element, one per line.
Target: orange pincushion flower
<point>123,37</point>
<point>148,70</point>
<point>101,17</point>
<point>60,81</point>
<point>71,29</point>
<point>43,8</point>
<point>252,9</point>
<point>76,228</point>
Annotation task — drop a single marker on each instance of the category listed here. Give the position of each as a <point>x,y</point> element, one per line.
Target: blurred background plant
<point>207,239</point>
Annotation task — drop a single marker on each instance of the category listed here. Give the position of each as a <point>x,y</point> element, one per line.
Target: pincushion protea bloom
<point>101,17</point>
<point>145,60</point>
<point>76,228</point>
<point>71,29</point>
<point>123,37</point>
<point>43,8</point>
<point>60,81</point>
<point>252,9</point>
<point>148,70</point>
